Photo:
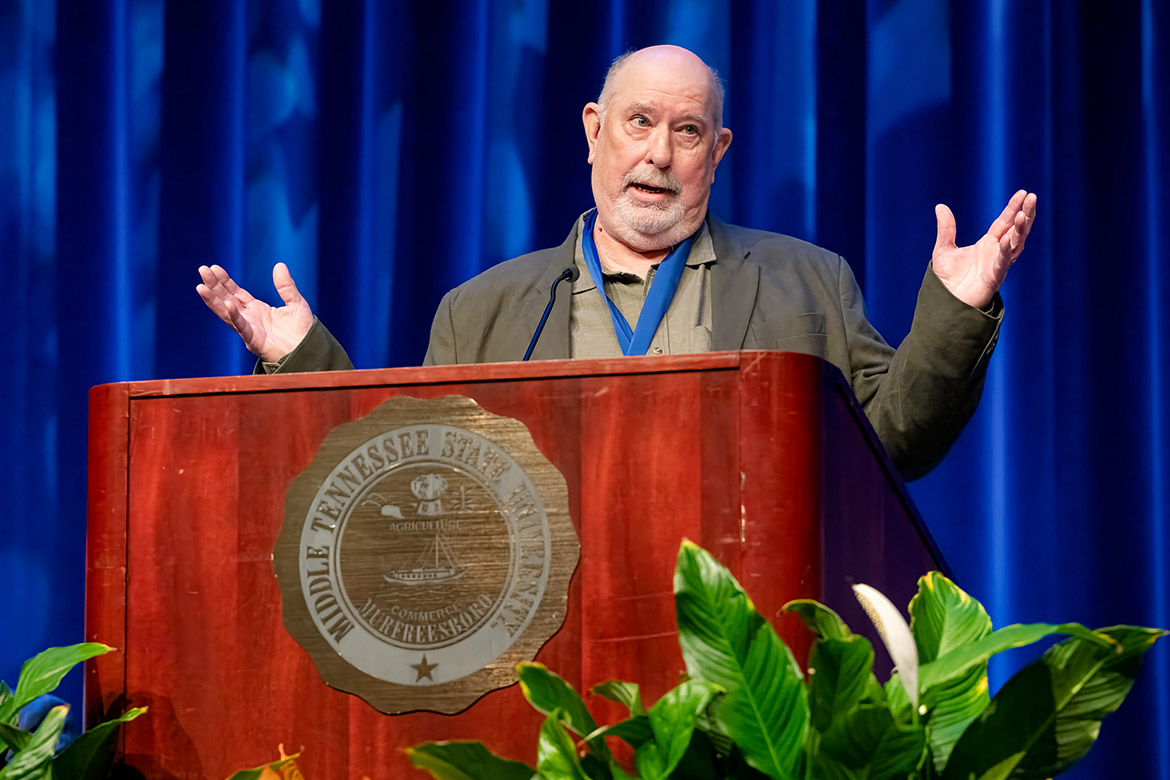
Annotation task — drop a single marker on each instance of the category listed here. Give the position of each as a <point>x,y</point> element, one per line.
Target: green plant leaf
<point>1047,716</point>
<point>943,617</point>
<point>556,755</point>
<point>43,672</point>
<point>961,658</point>
<point>91,755</point>
<point>954,638</point>
<point>466,761</point>
<point>1078,724</point>
<point>627,694</point>
<point>649,761</point>
<point>867,743</point>
<point>840,677</point>
<point>635,731</point>
<point>35,760</point>
<point>6,710</point>
<point>548,692</point>
<point>672,720</point>
<point>818,618</point>
<point>951,706</point>
<point>898,701</point>
<point>13,737</point>
<point>725,641</point>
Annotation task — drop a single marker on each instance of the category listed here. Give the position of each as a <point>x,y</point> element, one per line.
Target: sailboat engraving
<point>443,566</point>
<point>437,563</point>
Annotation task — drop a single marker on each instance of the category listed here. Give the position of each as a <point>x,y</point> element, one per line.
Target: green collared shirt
<point>686,328</point>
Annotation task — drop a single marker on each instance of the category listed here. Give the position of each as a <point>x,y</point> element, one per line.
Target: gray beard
<point>649,226</point>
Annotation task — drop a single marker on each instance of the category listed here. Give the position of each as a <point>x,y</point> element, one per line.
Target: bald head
<point>661,60</point>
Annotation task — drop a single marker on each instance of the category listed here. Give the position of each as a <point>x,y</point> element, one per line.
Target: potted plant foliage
<point>747,710</point>
<point>39,752</point>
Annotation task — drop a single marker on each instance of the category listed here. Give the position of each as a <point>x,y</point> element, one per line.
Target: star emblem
<point>424,669</point>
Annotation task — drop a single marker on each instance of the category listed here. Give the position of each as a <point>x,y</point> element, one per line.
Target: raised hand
<point>974,273</point>
<point>268,332</point>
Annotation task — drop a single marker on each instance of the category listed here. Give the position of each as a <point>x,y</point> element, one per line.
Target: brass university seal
<point>425,551</point>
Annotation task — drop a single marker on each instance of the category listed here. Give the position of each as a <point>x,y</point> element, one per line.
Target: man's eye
<point>641,121</point>
<point>691,130</point>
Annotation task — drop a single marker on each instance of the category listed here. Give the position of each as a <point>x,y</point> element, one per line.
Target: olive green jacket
<point>769,291</point>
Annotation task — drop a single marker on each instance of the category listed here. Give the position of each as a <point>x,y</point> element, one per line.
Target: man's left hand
<point>974,273</point>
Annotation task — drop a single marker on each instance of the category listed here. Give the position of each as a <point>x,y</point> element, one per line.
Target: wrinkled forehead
<point>666,80</point>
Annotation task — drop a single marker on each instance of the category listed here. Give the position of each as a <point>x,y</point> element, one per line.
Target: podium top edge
<point>461,374</point>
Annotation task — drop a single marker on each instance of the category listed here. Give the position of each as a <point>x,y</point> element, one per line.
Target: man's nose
<point>659,150</point>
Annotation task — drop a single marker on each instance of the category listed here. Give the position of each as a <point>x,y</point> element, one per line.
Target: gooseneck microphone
<point>571,274</point>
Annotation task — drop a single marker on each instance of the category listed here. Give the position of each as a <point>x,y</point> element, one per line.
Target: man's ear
<point>721,144</point>
<point>591,118</point>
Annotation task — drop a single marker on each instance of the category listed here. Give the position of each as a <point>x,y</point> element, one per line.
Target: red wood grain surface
<point>762,458</point>
<point>105,588</point>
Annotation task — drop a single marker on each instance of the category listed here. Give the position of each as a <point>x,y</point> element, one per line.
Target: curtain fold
<point>42,599</point>
<point>389,151</point>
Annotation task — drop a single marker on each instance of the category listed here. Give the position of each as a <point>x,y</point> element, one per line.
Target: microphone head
<point>574,273</point>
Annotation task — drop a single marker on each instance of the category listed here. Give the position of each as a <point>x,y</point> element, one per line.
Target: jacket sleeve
<point>318,351</point>
<point>920,399</point>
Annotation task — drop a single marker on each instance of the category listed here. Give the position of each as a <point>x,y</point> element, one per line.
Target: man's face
<point>655,149</point>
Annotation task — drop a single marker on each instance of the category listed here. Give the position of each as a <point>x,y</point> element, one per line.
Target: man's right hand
<point>268,332</point>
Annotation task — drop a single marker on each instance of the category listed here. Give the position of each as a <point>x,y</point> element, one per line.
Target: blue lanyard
<point>636,340</point>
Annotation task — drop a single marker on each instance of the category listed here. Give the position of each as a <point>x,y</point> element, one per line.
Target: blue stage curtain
<point>388,151</point>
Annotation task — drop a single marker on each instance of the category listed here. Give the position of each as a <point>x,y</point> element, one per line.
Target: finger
<point>208,276</point>
<point>1023,225</point>
<point>1008,216</point>
<point>1018,235</point>
<point>208,297</point>
<point>1030,205</point>
<point>285,285</point>
<point>1029,212</point>
<point>946,229</point>
<point>1007,251</point>
<point>230,286</point>
<point>214,301</point>
<point>238,321</point>
<point>219,275</point>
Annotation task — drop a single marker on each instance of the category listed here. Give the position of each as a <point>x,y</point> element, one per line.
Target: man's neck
<point>617,257</point>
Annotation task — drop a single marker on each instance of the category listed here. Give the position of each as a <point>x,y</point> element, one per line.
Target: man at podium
<point>675,279</point>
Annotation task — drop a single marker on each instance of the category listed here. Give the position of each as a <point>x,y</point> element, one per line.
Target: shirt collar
<point>702,253</point>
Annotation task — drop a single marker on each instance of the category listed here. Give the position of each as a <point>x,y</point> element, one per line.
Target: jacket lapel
<point>554,343</point>
<point>734,285</point>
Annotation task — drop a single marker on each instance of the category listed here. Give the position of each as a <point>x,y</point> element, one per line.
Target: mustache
<point>652,177</point>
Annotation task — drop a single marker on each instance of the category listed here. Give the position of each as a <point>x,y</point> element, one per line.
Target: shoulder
<point>782,260</point>
<point>765,247</point>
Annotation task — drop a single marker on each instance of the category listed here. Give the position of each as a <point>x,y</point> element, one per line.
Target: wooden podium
<point>762,458</point>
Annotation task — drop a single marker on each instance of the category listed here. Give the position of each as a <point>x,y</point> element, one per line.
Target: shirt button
<point>657,350</point>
